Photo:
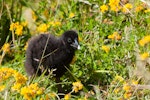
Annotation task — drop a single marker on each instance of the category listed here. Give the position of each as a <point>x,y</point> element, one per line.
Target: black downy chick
<point>51,53</point>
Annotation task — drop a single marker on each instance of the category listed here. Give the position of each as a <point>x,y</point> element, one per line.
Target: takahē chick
<point>51,53</point>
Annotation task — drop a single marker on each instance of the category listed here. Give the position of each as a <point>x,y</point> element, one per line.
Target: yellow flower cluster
<point>2,87</point>
<point>142,7</point>
<point>55,23</point>
<point>77,86</point>
<point>6,73</point>
<point>122,85</point>
<point>24,23</point>
<point>117,90</point>
<point>119,78</point>
<point>144,55</point>
<point>134,82</point>
<point>20,80</point>
<point>71,15</point>
<point>6,47</point>
<point>127,95</point>
<point>42,28</point>
<point>106,48</point>
<point>127,87</point>
<point>114,5</point>
<point>31,91</point>
<point>128,91</point>
<point>127,7</point>
<point>103,8</point>
<point>117,5</point>
<point>18,28</point>
<point>114,36</point>
<point>144,41</point>
<point>67,96</point>
<point>139,8</point>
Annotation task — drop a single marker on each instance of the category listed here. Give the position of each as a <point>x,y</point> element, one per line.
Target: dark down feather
<point>51,53</point>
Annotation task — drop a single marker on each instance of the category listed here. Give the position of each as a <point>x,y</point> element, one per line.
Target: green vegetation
<point>112,64</point>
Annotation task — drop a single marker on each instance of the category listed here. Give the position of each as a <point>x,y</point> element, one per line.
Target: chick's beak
<point>75,45</point>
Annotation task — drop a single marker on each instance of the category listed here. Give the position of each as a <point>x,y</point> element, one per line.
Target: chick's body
<point>51,53</point>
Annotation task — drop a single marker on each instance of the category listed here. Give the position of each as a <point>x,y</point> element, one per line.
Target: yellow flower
<point>115,8</point>
<point>31,91</point>
<point>127,95</point>
<point>145,40</point>
<point>77,86</point>
<point>34,16</point>
<point>42,28</point>
<point>114,2</point>
<point>115,36</point>
<point>119,78</point>
<point>117,90</point>
<point>106,48</point>
<point>103,8</point>
<point>20,78</point>
<point>126,87</point>
<point>114,5</point>
<point>54,23</point>
<point>40,91</point>
<point>26,93</point>
<point>147,10</point>
<point>139,8</point>
<point>24,24</point>
<point>5,73</point>
<point>18,30</point>
<point>67,97</point>
<point>142,42</point>
<point>16,87</point>
<point>57,23</point>
<point>6,47</point>
<point>144,56</point>
<point>13,26</point>
<point>126,7</point>
<point>134,82</point>
<point>2,87</point>
<point>42,99</point>
<point>71,15</point>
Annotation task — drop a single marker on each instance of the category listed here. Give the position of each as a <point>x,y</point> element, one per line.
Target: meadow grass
<point>112,64</point>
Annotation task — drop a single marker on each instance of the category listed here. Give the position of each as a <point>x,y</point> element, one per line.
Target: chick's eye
<point>69,40</point>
